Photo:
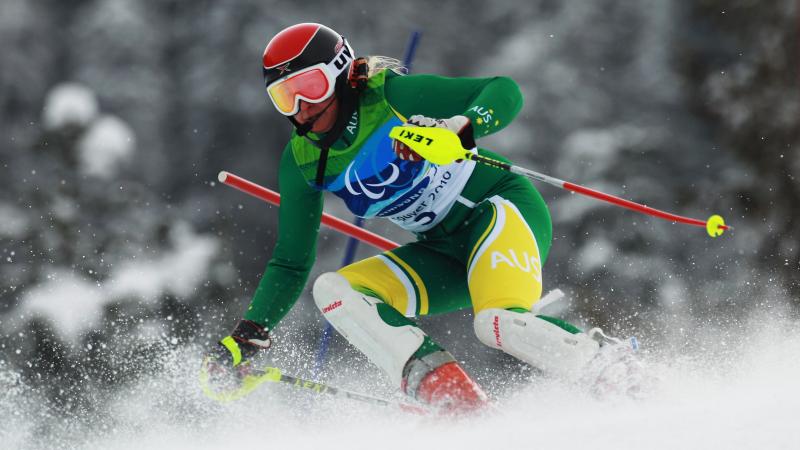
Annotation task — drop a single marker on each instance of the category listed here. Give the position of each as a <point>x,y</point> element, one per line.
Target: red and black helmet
<point>297,50</point>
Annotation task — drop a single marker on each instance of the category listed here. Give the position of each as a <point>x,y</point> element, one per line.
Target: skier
<point>482,234</point>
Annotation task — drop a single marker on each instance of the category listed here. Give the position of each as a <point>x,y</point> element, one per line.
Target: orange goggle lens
<point>312,86</point>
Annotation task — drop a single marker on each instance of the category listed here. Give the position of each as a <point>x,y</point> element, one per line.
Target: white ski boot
<point>606,365</point>
<point>615,370</point>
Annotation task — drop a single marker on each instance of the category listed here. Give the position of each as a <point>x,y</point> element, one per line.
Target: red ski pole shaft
<point>634,206</point>
<point>712,225</point>
<point>270,196</point>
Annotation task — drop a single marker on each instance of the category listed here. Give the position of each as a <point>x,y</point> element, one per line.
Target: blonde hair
<point>377,63</point>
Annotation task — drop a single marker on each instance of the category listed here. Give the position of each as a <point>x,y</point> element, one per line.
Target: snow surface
<point>69,104</point>
<point>733,392</point>
<point>105,147</point>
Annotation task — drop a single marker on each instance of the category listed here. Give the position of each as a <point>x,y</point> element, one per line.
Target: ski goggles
<point>313,84</point>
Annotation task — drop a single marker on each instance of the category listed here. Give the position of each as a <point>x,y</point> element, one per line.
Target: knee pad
<point>357,317</point>
<point>536,341</point>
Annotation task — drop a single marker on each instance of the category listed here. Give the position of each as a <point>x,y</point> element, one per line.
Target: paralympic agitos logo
<point>374,195</point>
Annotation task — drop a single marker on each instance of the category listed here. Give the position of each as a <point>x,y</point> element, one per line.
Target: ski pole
<point>318,388</point>
<point>441,146</point>
<point>270,196</point>
<point>256,377</point>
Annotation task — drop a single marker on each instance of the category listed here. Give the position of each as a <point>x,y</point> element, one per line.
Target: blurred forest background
<point>116,116</point>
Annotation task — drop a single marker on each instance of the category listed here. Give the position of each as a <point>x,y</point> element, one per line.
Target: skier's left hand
<point>461,125</point>
<point>227,371</point>
<point>244,342</point>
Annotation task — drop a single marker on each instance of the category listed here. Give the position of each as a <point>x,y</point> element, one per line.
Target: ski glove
<point>246,340</point>
<point>461,125</point>
<point>227,373</point>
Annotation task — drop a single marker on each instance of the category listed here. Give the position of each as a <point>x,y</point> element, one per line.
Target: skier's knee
<point>487,327</point>
<point>386,337</point>
<point>326,284</point>
<point>374,276</point>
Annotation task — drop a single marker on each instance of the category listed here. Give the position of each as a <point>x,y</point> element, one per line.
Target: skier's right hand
<point>228,362</point>
<point>460,125</point>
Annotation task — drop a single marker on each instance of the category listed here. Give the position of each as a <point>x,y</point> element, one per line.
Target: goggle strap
<point>358,74</point>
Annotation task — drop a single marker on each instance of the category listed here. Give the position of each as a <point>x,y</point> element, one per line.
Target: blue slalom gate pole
<point>352,243</point>
<point>411,49</point>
